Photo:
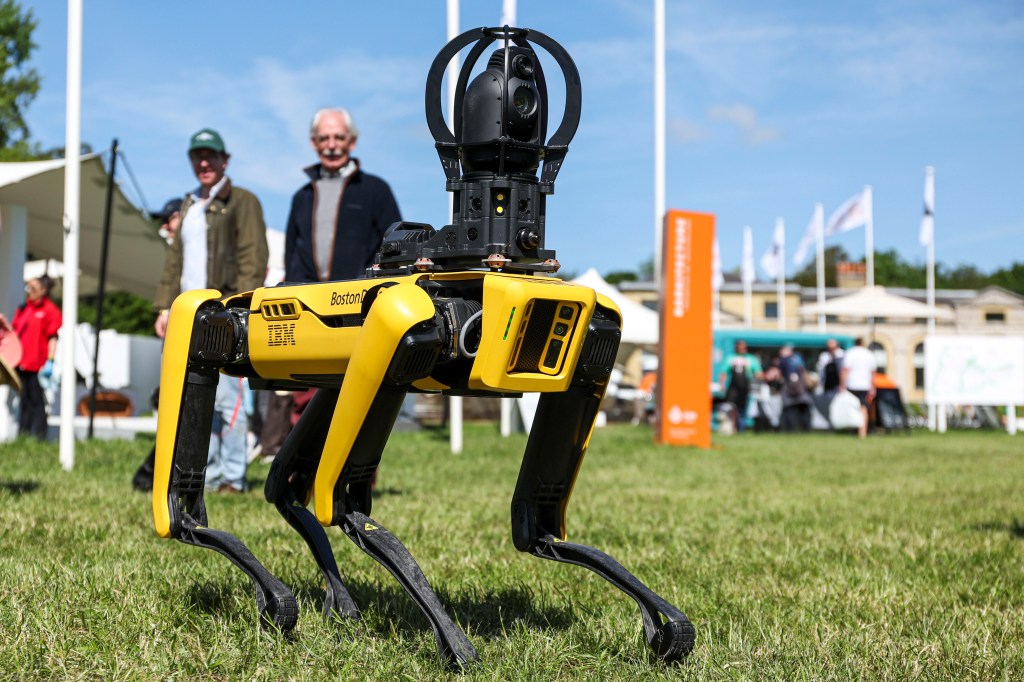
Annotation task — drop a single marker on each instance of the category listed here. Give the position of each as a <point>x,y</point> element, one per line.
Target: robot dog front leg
<point>558,442</point>
<point>202,337</point>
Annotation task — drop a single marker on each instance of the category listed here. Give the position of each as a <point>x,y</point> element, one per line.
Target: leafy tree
<point>19,84</point>
<point>892,271</point>
<point>620,276</point>
<point>1011,278</point>
<point>122,311</point>
<point>808,276</point>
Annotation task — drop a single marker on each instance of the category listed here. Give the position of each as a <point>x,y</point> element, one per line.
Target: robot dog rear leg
<point>291,476</point>
<point>554,453</point>
<point>201,339</point>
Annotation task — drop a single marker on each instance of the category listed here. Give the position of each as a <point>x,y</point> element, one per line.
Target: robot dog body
<point>365,344</point>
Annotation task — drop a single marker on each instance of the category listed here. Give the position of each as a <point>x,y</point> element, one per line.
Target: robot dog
<point>464,310</point>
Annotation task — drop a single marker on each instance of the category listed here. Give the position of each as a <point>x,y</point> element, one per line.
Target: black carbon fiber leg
<point>292,470</point>
<point>274,601</point>
<point>668,631</point>
<point>389,551</point>
<point>337,601</point>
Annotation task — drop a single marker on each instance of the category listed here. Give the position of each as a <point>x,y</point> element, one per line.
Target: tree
<point>19,84</point>
<point>892,271</point>
<point>620,276</point>
<point>808,277</point>
<point>1011,278</point>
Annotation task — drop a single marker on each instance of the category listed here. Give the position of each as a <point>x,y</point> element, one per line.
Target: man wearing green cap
<point>221,244</point>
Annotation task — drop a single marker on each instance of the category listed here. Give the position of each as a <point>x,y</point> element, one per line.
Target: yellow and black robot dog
<point>464,310</point>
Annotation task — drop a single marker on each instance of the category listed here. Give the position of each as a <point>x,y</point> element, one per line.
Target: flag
<point>851,215</point>
<point>748,275</point>
<point>717,280</point>
<point>813,229</point>
<point>927,234</point>
<point>772,261</point>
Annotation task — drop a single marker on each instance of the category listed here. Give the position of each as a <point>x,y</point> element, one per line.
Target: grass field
<point>796,557</point>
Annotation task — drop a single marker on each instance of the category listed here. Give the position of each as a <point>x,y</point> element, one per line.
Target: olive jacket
<point>236,246</point>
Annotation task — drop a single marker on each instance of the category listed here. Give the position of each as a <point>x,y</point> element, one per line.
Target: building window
<point>995,316</point>
<point>771,310</point>
<point>919,365</point>
<point>881,357</point>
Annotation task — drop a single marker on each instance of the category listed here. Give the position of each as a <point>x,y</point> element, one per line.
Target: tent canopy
<point>639,323</point>
<point>136,254</point>
<point>875,302</point>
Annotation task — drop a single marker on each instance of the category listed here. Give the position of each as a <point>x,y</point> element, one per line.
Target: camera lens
<point>522,66</point>
<point>524,101</point>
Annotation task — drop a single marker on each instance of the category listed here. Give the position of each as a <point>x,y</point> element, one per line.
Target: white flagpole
<point>455,401</point>
<point>508,18</point>
<point>819,221</point>
<point>780,229</point>
<point>659,135</point>
<point>929,180</point>
<point>869,236</point>
<point>72,228</point>
<point>748,279</point>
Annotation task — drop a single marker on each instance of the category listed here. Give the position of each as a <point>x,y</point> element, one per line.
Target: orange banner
<point>684,350</point>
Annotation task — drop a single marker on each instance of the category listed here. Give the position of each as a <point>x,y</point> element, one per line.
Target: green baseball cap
<point>207,138</point>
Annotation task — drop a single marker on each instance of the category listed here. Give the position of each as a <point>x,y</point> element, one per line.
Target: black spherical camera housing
<point>491,159</point>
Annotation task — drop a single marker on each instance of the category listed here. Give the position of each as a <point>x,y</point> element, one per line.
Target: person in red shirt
<point>36,323</point>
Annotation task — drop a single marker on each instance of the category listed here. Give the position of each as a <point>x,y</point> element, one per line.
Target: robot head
<point>491,157</point>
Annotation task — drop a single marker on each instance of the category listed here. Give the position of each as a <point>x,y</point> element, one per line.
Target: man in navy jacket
<point>338,219</point>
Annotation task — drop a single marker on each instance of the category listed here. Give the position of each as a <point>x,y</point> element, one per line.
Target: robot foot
<point>668,631</point>
<point>378,542</point>
<point>275,602</point>
<point>338,602</point>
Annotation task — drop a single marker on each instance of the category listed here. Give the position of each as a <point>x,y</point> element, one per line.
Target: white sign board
<point>974,370</point>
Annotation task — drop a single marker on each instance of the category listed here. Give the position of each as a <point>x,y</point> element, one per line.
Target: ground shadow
<point>210,597</point>
<point>18,488</point>
<point>1014,528</point>
<point>489,614</point>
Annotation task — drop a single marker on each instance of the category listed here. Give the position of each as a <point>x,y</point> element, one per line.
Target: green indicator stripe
<point>509,325</point>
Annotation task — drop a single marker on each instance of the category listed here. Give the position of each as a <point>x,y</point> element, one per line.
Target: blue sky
<point>771,108</point>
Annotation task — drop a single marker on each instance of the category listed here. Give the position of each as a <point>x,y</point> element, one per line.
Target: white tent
<point>875,302</point>
<point>136,254</point>
<point>639,323</point>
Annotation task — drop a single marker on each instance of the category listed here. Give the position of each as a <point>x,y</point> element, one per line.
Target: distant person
<point>830,365</point>
<point>36,322</point>
<point>741,369</point>
<point>796,398</point>
<point>858,374</point>
<point>221,244</point>
<point>170,219</point>
<point>337,219</point>
<point>335,227</point>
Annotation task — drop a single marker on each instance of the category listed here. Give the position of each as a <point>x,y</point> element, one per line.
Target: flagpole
<point>819,221</point>
<point>454,402</point>
<point>929,180</point>
<point>72,231</point>
<point>659,134</point>
<point>780,229</point>
<point>748,278</point>
<point>869,236</point>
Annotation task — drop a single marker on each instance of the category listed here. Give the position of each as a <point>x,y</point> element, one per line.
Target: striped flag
<point>927,234</point>
<point>772,261</point>
<point>854,213</point>
<point>813,229</point>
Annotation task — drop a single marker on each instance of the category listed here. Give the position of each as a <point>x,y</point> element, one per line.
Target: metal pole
<point>101,292</point>
<point>781,281</point>
<point>454,402</point>
<point>869,236</point>
<point>659,136</point>
<point>819,237</point>
<point>72,229</point>
<point>929,173</point>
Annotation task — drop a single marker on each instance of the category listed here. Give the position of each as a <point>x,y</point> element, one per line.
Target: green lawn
<point>796,557</point>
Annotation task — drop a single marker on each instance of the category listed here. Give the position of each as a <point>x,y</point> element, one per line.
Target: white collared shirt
<point>193,240</point>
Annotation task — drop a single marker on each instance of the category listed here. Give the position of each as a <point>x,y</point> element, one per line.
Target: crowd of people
<point>835,372</point>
